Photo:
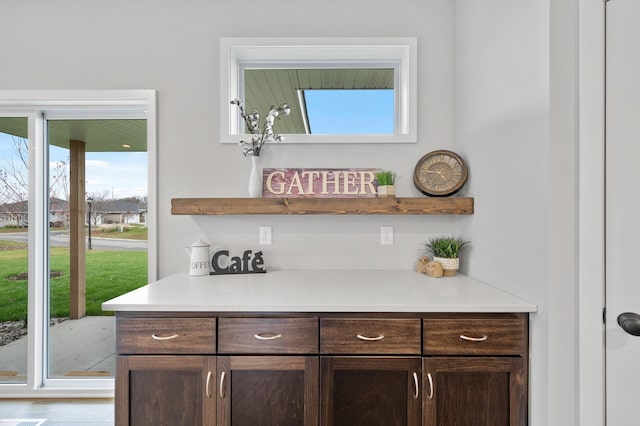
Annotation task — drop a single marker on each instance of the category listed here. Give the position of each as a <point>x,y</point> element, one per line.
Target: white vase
<point>255,178</point>
<point>449,266</point>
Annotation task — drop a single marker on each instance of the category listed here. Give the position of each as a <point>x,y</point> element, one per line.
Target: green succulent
<point>446,247</point>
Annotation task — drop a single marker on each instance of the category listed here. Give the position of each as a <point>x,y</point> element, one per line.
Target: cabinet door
<point>267,390</point>
<point>370,391</point>
<point>480,391</point>
<point>164,390</point>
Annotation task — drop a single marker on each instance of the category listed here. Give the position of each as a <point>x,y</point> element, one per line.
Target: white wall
<point>484,80</point>
<point>502,127</point>
<point>173,47</point>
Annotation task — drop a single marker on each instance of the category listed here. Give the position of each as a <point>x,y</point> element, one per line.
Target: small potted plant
<point>446,251</point>
<point>386,183</point>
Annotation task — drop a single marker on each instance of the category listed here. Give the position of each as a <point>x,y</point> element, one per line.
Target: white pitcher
<point>200,258</point>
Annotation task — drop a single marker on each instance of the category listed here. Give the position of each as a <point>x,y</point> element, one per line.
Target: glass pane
<point>97,239</point>
<point>349,112</point>
<point>14,221</point>
<point>324,101</point>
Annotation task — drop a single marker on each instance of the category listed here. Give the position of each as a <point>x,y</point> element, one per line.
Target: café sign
<point>318,183</point>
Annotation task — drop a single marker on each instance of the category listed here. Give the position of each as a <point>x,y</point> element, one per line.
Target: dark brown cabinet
<point>165,390</point>
<point>268,390</point>
<point>278,387</point>
<point>328,369</point>
<point>370,391</point>
<point>370,371</point>
<point>475,371</point>
<point>165,371</point>
<point>477,391</point>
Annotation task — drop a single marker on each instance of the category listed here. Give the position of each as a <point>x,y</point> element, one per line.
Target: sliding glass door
<point>77,221</point>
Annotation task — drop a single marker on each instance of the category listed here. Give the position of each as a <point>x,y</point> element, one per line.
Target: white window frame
<point>82,105</point>
<point>376,52</point>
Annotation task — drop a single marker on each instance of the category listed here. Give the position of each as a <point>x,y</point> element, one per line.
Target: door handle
<point>630,322</point>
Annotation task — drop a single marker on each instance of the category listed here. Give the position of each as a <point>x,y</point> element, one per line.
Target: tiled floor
<point>56,412</point>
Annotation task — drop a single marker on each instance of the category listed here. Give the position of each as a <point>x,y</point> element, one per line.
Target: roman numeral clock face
<point>440,173</point>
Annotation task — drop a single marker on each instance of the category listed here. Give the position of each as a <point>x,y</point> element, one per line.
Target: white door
<point>623,212</point>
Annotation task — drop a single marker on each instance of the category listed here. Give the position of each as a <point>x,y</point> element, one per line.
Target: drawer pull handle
<point>370,339</point>
<point>416,387</point>
<point>207,384</point>
<point>430,394</point>
<point>474,339</point>
<point>222,384</point>
<point>156,337</point>
<point>267,336</point>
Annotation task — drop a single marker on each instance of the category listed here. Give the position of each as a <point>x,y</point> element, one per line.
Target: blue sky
<point>350,111</point>
<point>119,174</point>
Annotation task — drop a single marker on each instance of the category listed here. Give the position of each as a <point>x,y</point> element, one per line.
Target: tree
<point>14,180</point>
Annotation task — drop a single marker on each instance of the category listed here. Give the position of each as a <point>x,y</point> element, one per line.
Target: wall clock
<point>440,173</point>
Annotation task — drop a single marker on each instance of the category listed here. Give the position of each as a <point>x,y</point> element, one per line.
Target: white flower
<point>258,137</point>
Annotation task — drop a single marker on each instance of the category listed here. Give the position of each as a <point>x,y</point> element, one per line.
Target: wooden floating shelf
<point>332,206</point>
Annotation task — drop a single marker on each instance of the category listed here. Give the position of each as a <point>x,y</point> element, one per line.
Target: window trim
<point>235,53</point>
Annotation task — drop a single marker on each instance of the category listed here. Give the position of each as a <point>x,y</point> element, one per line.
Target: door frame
<point>33,103</point>
<point>591,199</point>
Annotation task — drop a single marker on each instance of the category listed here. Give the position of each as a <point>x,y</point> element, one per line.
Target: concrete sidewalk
<point>83,347</point>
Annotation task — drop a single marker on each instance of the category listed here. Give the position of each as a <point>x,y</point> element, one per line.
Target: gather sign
<point>318,183</point>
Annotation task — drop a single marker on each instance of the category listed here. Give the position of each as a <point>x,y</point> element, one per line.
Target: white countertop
<point>319,291</point>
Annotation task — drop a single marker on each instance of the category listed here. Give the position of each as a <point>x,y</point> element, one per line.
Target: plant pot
<point>386,191</point>
<point>449,266</point>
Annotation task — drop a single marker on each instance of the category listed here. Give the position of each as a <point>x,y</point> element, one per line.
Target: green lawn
<point>108,274</point>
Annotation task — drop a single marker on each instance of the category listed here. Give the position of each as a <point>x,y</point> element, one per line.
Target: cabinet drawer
<point>473,336</point>
<point>166,335</point>
<point>268,335</point>
<point>369,336</point>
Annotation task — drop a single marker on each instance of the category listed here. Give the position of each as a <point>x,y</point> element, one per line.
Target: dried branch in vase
<point>259,136</point>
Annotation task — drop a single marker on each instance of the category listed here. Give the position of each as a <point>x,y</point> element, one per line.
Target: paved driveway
<point>61,239</point>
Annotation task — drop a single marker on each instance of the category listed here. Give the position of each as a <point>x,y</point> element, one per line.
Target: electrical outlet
<point>265,235</point>
<point>386,235</point>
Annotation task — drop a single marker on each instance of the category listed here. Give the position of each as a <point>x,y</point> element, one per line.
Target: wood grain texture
<point>194,335</point>
<point>77,234</point>
<point>479,391</point>
<point>330,206</point>
<point>268,390</point>
<point>369,391</point>
<point>399,336</point>
<point>347,381</point>
<point>503,336</point>
<point>164,390</point>
<point>297,335</point>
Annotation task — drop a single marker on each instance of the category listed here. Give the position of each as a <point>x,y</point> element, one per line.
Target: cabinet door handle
<point>474,339</point>
<point>222,384</point>
<point>206,386</point>
<point>267,336</point>
<point>370,339</point>
<point>430,394</point>
<point>156,337</point>
<point>416,386</point>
